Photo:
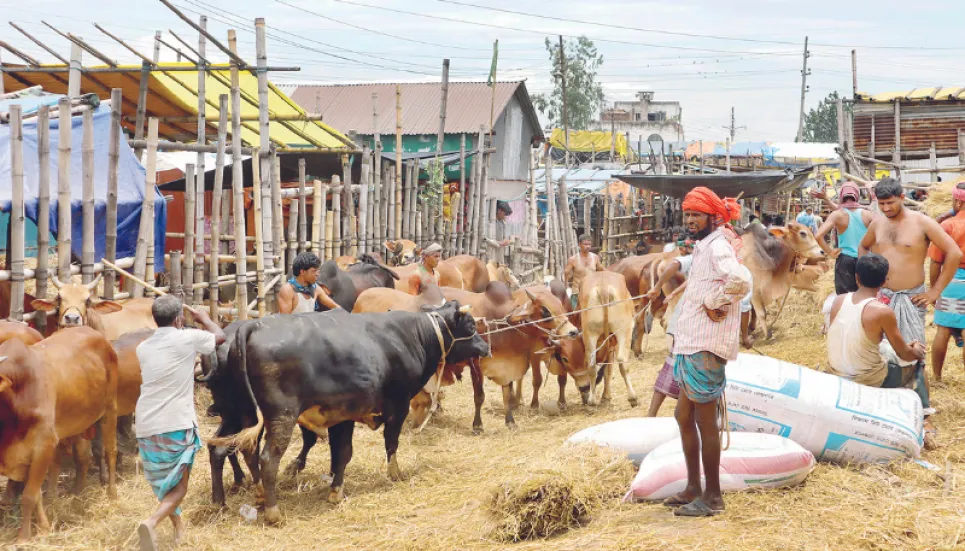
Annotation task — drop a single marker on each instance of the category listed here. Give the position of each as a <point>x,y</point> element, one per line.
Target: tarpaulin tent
<point>130,180</point>
<point>751,184</point>
<point>587,141</point>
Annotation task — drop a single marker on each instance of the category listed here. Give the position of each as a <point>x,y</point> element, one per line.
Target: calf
<point>401,252</point>
<point>772,258</point>
<point>49,392</point>
<point>338,369</point>
<point>607,314</point>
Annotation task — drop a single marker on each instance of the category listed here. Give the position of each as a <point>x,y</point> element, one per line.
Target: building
<point>645,119</point>
<point>357,108</point>
<point>904,125</point>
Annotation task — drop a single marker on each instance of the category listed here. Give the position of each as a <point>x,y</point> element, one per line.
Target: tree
<point>821,122</point>
<point>584,95</point>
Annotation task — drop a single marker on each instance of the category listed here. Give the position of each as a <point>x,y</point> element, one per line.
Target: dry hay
<point>939,199</point>
<point>444,503</point>
<point>564,494</point>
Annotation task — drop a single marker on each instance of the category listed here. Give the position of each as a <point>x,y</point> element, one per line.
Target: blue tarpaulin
<point>130,182</point>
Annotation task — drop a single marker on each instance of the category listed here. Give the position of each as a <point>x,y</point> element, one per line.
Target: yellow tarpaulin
<point>832,175</point>
<point>588,141</point>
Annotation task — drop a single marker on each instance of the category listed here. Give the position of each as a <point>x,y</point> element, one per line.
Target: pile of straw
<point>939,199</point>
<point>549,501</point>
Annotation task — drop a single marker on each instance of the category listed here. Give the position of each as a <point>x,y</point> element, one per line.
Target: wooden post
<point>325,247</point>
<point>197,292</point>
<point>187,275</point>
<point>141,109</point>
<point>292,234</point>
<point>113,158</point>
<point>567,225</point>
<point>932,162</point>
<point>214,267</point>
<point>533,221</point>
<point>961,147</point>
<point>177,288</point>
<point>551,221</point>
<point>391,185</point>
<point>15,248</point>
<point>364,200</point>
<point>275,258</point>
<point>43,207</point>
<point>64,228</point>
<point>896,156</point>
<point>379,220</point>
<point>317,225</point>
<point>604,225</point>
<point>406,203</point>
<point>258,204</point>
<point>74,73</point>
<point>268,176</point>
<point>842,138</point>
<point>398,162</point>
<point>479,228</point>
<point>587,214</point>
<point>87,199</point>
<point>418,230</point>
<point>237,185</point>
<point>302,209</point>
<point>144,262</point>
<point>336,216</point>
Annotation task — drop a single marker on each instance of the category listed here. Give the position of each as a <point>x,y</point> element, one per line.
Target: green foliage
<point>821,122</point>
<point>584,95</point>
<point>430,194</point>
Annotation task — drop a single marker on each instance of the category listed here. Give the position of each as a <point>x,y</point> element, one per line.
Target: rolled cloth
<point>958,194</point>
<point>701,199</point>
<point>849,191</point>
<point>911,318</point>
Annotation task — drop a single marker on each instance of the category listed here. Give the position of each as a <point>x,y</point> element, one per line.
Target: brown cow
<point>501,272</point>
<point>49,392</point>
<point>771,258</point>
<point>18,330</point>
<point>381,299</point>
<point>401,252</point>
<point>607,319</point>
<point>474,274</point>
<point>637,271</point>
<point>449,276</point>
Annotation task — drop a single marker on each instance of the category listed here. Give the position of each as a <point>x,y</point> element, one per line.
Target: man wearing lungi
<point>950,309</point>
<point>851,221</point>
<point>167,427</point>
<point>708,336</point>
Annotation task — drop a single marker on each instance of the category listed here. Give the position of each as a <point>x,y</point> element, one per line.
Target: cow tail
<point>247,439</point>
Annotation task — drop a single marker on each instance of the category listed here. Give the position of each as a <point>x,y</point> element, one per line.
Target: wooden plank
<point>87,198</point>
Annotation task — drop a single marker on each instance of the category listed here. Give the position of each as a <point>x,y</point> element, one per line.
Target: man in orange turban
<point>707,336</point>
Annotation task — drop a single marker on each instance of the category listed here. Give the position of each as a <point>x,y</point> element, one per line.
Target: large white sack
<point>835,419</point>
<point>751,461</point>
<point>637,436</point>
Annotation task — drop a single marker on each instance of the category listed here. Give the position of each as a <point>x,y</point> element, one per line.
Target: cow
<point>19,330</point>
<point>339,369</point>
<point>380,299</point>
<point>345,286</point>
<point>401,252</point>
<point>637,270</point>
<point>76,306</point>
<point>772,257</point>
<point>501,272</point>
<point>5,295</point>
<point>607,319</point>
<point>345,261</point>
<point>49,392</point>
<point>474,273</point>
<point>658,307</point>
<point>449,276</point>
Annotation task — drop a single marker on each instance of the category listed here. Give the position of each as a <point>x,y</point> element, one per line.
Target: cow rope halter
<point>435,319</point>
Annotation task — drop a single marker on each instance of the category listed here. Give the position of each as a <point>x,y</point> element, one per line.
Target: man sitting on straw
<point>851,221</point>
<point>857,349</point>
<point>579,266</point>
<point>426,273</point>
<point>167,427</point>
<point>710,314</point>
<point>950,309</point>
<point>302,292</point>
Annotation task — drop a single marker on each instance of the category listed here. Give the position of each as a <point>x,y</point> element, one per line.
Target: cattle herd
<point>379,361</point>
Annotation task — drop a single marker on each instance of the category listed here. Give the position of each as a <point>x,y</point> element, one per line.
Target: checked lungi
<point>700,376</point>
<point>164,455</point>
<point>911,318</point>
<point>950,308</point>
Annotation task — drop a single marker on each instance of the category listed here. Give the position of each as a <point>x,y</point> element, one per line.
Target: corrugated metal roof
<point>350,106</point>
<point>931,93</point>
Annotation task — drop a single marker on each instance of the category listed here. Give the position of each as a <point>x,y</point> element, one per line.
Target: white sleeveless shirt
<point>851,353</point>
<point>304,304</point>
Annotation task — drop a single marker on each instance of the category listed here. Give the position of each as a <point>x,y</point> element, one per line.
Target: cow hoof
<point>512,426</point>
<point>293,469</point>
<point>605,401</point>
<point>634,402</point>
<point>112,493</point>
<point>235,488</point>
<point>336,496</point>
<point>476,431</point>
<point>273,515</point>
<point>395,474</point>
<point>562,406</point>
<point>534,405</point>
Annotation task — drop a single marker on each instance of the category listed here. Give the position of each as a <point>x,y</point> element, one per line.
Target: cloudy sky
<point>707,54</point>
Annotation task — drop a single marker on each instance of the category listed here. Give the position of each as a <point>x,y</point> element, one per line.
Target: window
<point>659,116</point>
<point>637,116</point>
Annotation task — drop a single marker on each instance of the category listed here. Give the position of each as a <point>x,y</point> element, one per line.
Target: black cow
<point>330,370</point>
<point>345,286</point>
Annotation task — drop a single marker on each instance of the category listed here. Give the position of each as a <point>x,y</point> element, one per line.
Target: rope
<point>535,322</point>
<point>724,419</point>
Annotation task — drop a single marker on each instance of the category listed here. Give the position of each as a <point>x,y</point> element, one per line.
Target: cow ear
<point>417,252</point>
<point>778,232</point>
<point>5,382</point>
<point>107,307</point>
<point>390,246</point>
<point>44,305</point>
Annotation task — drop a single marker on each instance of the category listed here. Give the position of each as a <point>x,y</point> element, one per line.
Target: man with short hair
<point>167,427</point>
<point>857,350</point>
<point>502,238</point>
<point>950,309</point>
<point>707,337</point>
<point>851,221</point>
<point>426,273</point>
<point>302,293</point>
<point>579,266</point>
<point>806,218</point>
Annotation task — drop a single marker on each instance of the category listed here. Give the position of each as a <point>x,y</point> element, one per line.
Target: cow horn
<point>465,309</point>
<point>55,281</point>
<point>530,295</point>
<point>93,284</point>
<point>3,359</point>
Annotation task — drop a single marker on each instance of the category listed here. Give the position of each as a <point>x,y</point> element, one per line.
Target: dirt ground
<point>451,474</point>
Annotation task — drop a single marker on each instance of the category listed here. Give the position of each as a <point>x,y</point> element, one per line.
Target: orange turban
<point>733,208</point>
<point>701,199</point>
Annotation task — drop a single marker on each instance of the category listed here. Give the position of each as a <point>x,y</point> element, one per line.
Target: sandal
<point>676,501</point>
<point>696,508</point>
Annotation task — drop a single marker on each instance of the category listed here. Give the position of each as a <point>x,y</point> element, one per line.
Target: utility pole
<point>566,120</point>
<point>613,135</point>
<point>804,89</point>
<point>854,72</point>
<point>733,130</point>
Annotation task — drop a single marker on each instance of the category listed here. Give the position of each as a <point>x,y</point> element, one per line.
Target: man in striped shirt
<point>708,335</point>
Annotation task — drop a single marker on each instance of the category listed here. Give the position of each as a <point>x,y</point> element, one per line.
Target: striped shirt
<point>716,281</point>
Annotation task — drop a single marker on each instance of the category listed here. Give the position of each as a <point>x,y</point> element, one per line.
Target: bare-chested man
<point>578,266</point>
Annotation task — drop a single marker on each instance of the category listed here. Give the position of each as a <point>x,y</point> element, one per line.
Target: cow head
<point>800,239</point>
<point>74,303</point>
<point>462,340</point>
<point>402,252</point>
<point>570,355</point>
<point>504,274</point>
<point>539,308</point>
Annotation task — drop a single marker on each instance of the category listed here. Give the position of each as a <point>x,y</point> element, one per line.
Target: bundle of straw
<point>939,199</point>
<point>574,483</point>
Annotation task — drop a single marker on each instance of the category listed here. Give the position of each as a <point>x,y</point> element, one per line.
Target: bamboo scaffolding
<point>43,207</point>
<point>325,245</point>
<point>277,224</point>
<point>379,219</point>
<point>317,224</point>
<point>256,190</point>
<point>364,201</point>
<point>145,249</point>
<point>63,196</point>
<point>337,249</point>
<point>237,183</point>
<point>87,199</point>
<point>15,248</point>
<point>113,159</point>
<point>292,236</point>
<point>176,287</point>
<point>187,266</point>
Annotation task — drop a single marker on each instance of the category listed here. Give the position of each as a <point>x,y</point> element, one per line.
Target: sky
<point>709,55</point>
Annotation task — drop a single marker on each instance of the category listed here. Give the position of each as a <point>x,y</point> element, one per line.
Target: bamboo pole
<point>325,247</point>
<point>15,248</point>
<point>418,230</point>
<point>87,199</point>
<point>145,235</point>
<point>397,234</point>
<point>552,223</point>
<point>567,225</point>
<point>371,213</point>
<point>113,159</point>
<point>43,208</point>
<point>348,208</point>
<point>364,200</point>
<point>379,219</point>
<point>214,267</point>
<point>292,235</point>
<point>256,192</point>
<point>63,194</point>
<point>177,288</point>
<point>472,236</point>
<point>273,256</point>
<point>532,223</point>
<point>237,184</point>
<point>336,217</point>
<point>187,265</point>
<point>407,203</point>
<point>329,237</point>
<point>141,111</point>
<point>458,207</point>
<point>302,209</point>
<point>317,225</point>
<point>197,297</point>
